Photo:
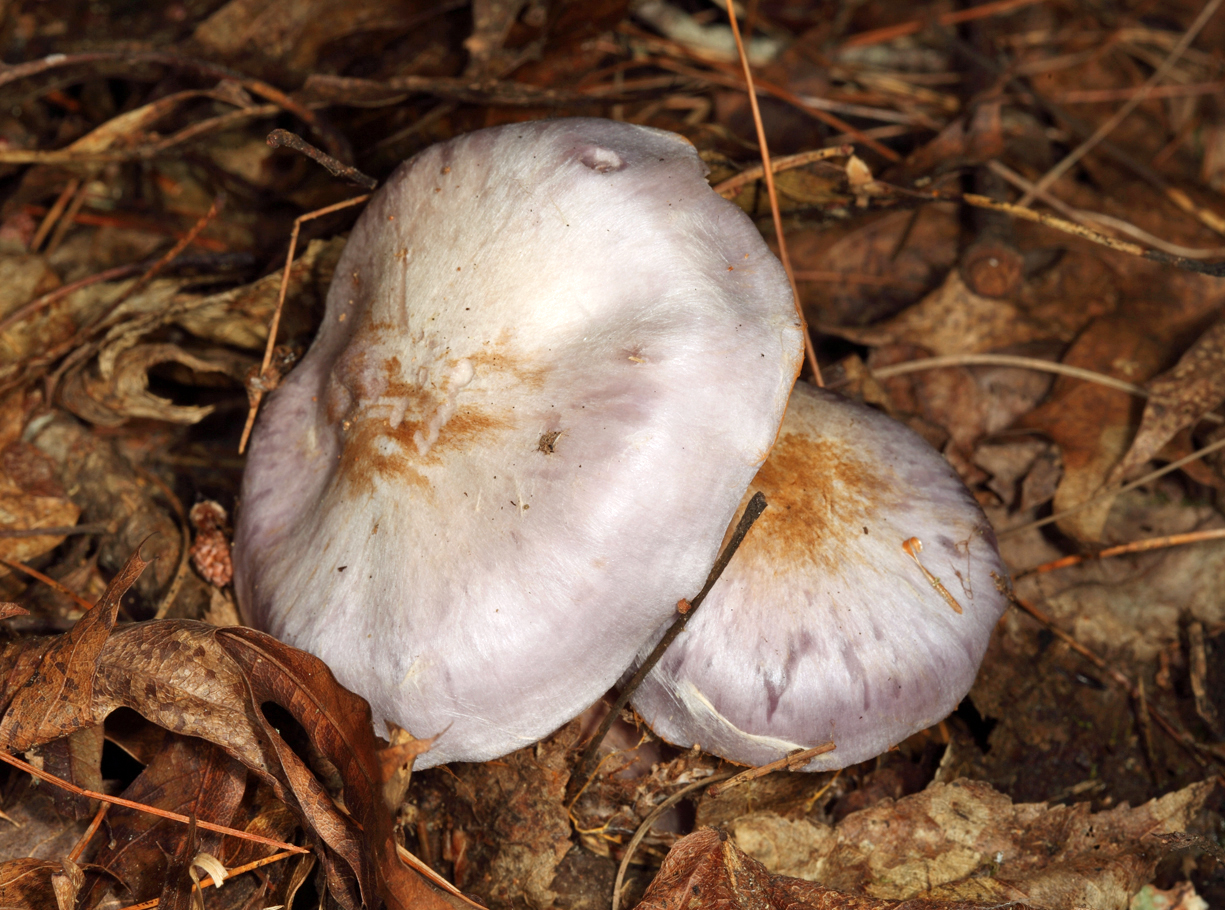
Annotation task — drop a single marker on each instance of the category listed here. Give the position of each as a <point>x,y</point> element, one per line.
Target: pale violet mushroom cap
<point>552,360</point>
<point>825,626</point>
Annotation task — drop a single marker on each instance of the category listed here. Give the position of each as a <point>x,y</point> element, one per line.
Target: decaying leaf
<point>963,841</point>
<point>707,869</point>
<point>1178,398</point>
<point>1090,423</point>
<point>116,388</point>
<point>57,698</point>
<point>107,490</point>
<point>952,320</point>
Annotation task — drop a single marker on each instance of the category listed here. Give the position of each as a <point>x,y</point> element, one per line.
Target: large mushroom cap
<point>551,361</point>
<point>824,626</point>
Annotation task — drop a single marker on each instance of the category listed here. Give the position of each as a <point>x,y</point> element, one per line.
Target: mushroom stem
<point>751,513</point>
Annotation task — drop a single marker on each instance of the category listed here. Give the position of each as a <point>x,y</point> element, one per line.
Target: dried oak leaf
<point>1090,423</point>
<point>707,869</point>
<point>1178,398</point>
<point>198,680</point>
<point>194,779</point>
<point>57,698</point>
<point>965,841</point>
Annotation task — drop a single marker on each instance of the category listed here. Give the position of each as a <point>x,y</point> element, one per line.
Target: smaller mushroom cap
<point>825,626</point>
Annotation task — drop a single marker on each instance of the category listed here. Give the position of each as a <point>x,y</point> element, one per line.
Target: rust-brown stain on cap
<point>821,495</point>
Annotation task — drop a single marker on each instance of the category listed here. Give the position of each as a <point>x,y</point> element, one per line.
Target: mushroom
<point>857,611</point>
<point>551,361</point>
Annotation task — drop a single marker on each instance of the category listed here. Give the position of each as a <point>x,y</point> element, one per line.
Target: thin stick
<point>768,173</point>
<point>336,167</point>
<point>257,392</point>
<point>1125,111</point>
<point>752,512</point>
<point>1136,546</point>
<point>1006,360</point>
<point>55,531</point>
<point>1097,218</point>
<point>229,873</point>
<point>1118,491</point>
<point>54,213</point>
<point>49,582</point>
<point>902,29</point>
<point>731,186</point>
<point>793,761</point>
<point>141,807</point>
<point>649,822</point>
<point>94,824</point>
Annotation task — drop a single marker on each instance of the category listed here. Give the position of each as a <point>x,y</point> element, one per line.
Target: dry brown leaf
<point>115,389</point>
<point>107,490</point>
<point>239,317</point>
<point>1178,398</point>
<point>340,726</point>
<point>26,884</point>
<point>890,259</point>
<point>937,844</point>
<point>707,869</point>
<point>57,698</point>
<point>952,320</point>
<point>194,779</point>
<point>22,511</point>
<point>1090,423</point>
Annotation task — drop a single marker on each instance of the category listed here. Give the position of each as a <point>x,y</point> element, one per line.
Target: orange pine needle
<point>768,173</point>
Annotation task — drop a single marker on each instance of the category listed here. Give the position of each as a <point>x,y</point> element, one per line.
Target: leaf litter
<point>133,315</point>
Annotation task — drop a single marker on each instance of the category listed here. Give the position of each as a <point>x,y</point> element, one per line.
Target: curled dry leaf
<point>56,699</point>
<point>1178,398</point>
<point>116,388</point>
<point>196,680</point>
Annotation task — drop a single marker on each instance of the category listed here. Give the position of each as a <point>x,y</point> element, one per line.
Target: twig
<point>1136,546</point>
<point>1084,217</point>
<point>54,213</point>
<point>94,824</point>
<point>55,531</point>
<point>1216,269</point>
<point>649,822</point>
<point>1122,114</point>
<point>768,173</point>
<point>1117,491</point>
<point>731,186</point>
<point>49,582</point>
<point>902,29</point>
<point>229,873</point>
<point>337,168</point>
<point>141,807</point>
<point>793,761</point>
<point>1006,360</point>
<point>257,391</point>
<point>752,512</point>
